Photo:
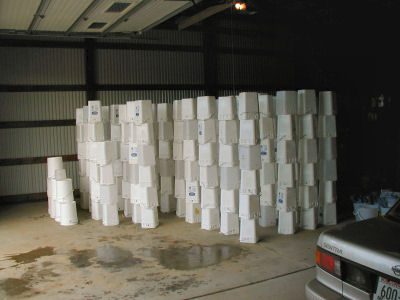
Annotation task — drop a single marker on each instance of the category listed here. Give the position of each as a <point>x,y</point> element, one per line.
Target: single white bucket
<point>127,208</point>
<point>110,214</point>
<point>60,174</point>
<point>229,223</point>
<point>248,231</point>
<point>68,214</point>
<point>57,204</point>
<point>268,216</point>
<point>63,188</point>
<point>97,210</point>
<point>53,163</point>
<point>149,217</point>
<point>136,213</point>
<point>181,207</point>
<point>210,218</point>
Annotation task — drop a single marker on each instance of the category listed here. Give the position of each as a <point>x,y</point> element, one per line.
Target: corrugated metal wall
<point>37,66</point>
<point>149,67</point>
<point>172,74</point>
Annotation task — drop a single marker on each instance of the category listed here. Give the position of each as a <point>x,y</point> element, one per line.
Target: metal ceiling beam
<point>127,15</point>
<point>87,11</point>
<point>208,12</point>
<point>39,15</point>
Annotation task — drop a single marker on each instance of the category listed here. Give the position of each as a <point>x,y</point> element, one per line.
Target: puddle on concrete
<point>80,258</point>
<point>193,257</point>
<point>31,256</point>
<point>14,286</point>
<point>109,256</point>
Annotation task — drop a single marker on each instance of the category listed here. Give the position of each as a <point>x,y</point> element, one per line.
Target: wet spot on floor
<point>81,258</point>
<point>14,286</point>
<point>31,256</point>
<point>194,257</point>
<point>109,256</point>
<point>126,237</point>
<point>132,279</point>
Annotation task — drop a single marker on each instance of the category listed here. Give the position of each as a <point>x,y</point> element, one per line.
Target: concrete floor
<point>41,259</point>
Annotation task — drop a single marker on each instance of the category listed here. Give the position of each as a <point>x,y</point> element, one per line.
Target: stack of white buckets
<point>61,204</point>
<point>250,164</point>
<point>142,157</point>
<point>191,158</point>
<point>208,161</point>
<point>177,154</point>
<point>229,164</point>
<point>166,163</point>
<point>205,176</point>
<point>327,162</point>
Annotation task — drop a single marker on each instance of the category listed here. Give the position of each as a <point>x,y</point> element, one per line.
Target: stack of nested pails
<point>268,172</point>
<point>82,139</point>
<point>96,133</point>
<point>191,156</point>
<point>250,164</point>
<point>208,162</point>
<point>65,205</point>
<point>177,154</point>
<point>286,157</point>
<point>115,135</point>
<point>130,172</point>
<point>166,163</point>
<point>308,159</point>
<point>229,164</point>
<point>327,157</point>
<point>142,155</point>
<point>53,164</point>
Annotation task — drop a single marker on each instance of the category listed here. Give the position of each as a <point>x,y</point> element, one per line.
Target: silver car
<point>359,260</point>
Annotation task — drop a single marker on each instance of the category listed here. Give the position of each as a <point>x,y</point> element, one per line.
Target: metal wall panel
<point>37,142</point>
<point>34,106</point>
<point>27,179</point>
<point>121,97</point>
<point>255,70</point>
<point>47,66</point>
<point>149,67</point>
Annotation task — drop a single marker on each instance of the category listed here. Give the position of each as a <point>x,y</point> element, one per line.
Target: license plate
<point>387,290</point>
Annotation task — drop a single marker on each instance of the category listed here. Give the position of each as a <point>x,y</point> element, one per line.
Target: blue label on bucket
<point>134,154</point>
<point>192,194</point>
<point>94,112</point>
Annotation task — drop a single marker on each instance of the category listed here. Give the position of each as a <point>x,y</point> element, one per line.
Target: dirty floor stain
<point>31,256</point>
<point>14,286</point>
<point>80,258</point>
<point>193,257</point>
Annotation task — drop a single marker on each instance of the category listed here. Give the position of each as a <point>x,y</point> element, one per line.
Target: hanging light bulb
<point>240,6</point>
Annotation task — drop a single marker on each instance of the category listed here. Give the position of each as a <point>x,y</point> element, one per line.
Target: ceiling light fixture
<point>240,6</point>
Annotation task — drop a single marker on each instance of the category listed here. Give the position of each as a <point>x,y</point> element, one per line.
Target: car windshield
<point>394,213</point>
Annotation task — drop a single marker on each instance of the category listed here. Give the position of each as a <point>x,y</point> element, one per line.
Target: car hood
<point>374,243</point>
